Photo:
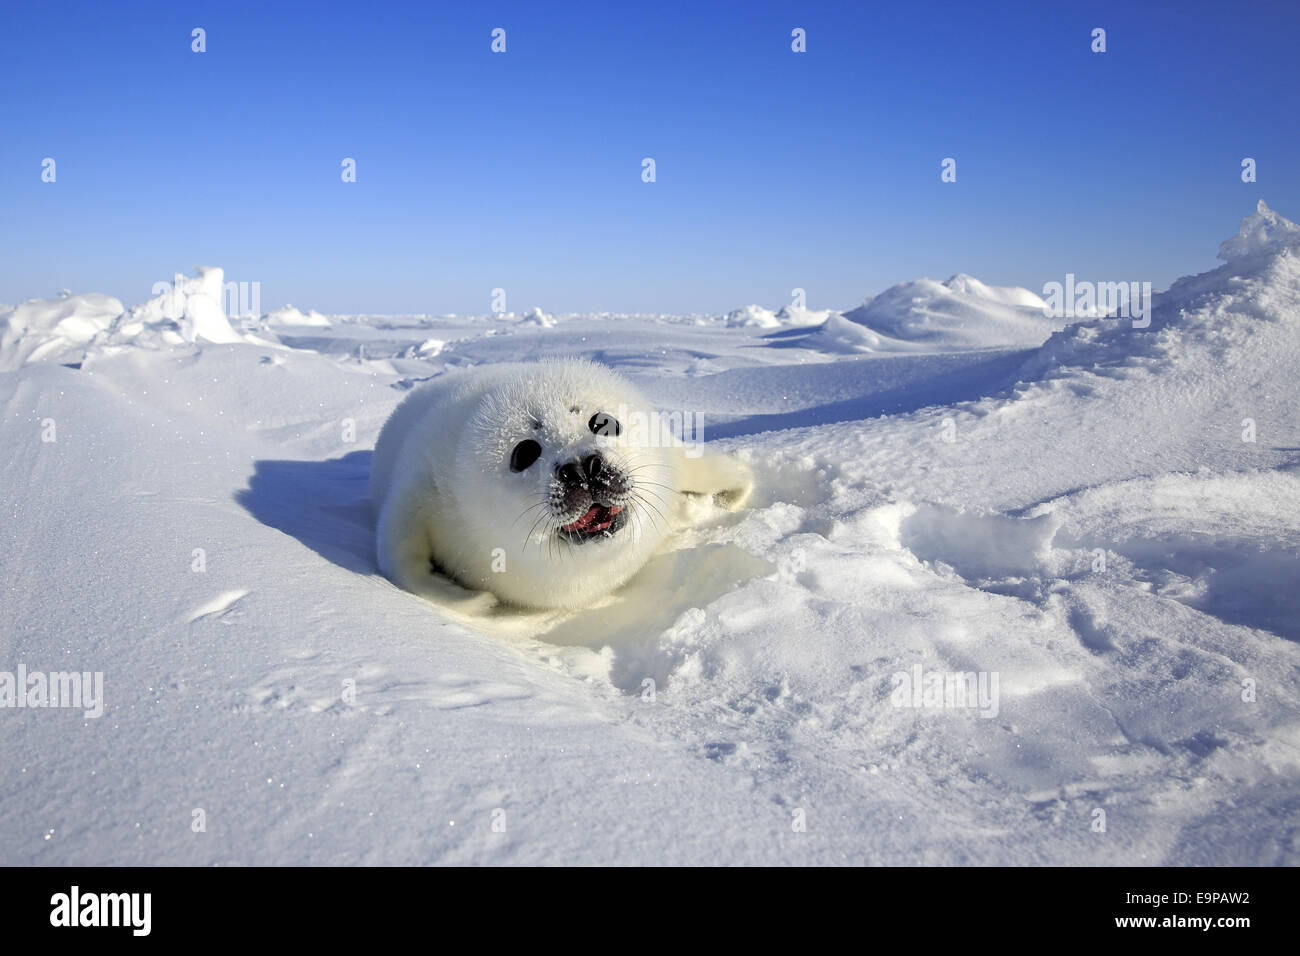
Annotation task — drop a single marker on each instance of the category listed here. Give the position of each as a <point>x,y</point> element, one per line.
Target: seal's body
<point>534,483</point>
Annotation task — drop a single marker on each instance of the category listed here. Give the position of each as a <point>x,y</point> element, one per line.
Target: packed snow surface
<point>1092,529</point>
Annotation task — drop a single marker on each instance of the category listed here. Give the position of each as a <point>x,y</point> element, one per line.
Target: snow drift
<point>288,315</point>
<point>54,330</point>
<point>185,311</point>
<point>961,312</point>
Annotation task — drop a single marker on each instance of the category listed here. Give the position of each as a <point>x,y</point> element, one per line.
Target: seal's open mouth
<point>600,521</point>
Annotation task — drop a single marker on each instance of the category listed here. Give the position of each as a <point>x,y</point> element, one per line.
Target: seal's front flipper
<point>405,556</point>
<point>724,478</point>
<point>449,595</point>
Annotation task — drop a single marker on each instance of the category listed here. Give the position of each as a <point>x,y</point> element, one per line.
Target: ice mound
<point>288,315</point>
<point>190,310</point>
<point>64,330</point>
<point>1264,231</point>
<point>1205,315</point>
<point>838,334</point>
<point>789,315</point>
<point>962,284</point>
<point>961,313</point>
<point>536,316</point>
<point>54,330</point>
<point>752,317</point>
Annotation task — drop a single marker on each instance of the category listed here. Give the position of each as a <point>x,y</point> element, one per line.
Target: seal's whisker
<point>634,471</point>
<point>643,501</point>
<point>656,484</point>
<point>532,529</point>
<point>649,481</point>
<point>540,504</point>
<point>658,497</point>
<point>654,521</point>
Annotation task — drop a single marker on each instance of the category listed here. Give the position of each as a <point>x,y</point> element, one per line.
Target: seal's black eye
<point>602,424</point>
<point>525,453</point>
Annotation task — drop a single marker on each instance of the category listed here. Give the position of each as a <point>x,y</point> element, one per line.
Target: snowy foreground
<point>1102,526</point>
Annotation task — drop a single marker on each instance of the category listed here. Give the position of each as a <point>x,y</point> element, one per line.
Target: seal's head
<point>562,472</point>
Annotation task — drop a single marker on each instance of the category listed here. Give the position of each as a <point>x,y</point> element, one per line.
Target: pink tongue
<point>586,522</point>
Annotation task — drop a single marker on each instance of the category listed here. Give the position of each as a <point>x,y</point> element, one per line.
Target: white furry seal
<point>532,482</point>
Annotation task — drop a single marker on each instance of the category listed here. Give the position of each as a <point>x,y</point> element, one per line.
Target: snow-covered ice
<point>959,313</point>
<point>288,315</point>
<point>1102,522</point>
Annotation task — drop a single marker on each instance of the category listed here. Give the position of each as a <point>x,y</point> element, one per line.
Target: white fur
<point>444,494</point>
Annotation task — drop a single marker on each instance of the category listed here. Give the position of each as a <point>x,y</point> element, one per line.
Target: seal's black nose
<point>588,470</point>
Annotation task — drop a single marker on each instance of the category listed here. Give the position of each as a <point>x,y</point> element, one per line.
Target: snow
<point>752,317</point>
<point>288,315</point>
<point>537,317</point>
<point>957,314</point>
<point>1098,521</point>
<point>190,310</point>
<point>1261,233</point>
<point>790,315</point>
<point>65,329</point>
<point>53,330</point>
<point>838,334</point>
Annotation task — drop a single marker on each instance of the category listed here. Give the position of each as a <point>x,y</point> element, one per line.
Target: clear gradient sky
<point>523,170</point>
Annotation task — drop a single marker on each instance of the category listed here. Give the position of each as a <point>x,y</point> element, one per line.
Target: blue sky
<point>522,170</point>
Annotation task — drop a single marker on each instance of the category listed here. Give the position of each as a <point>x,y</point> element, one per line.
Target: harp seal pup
<point>532,483</point>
